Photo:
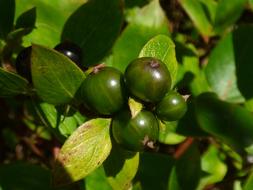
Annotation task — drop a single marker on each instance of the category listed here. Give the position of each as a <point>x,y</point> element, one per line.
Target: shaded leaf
<point>197,14</point>
<point>55,78</point>
<point>188,124</point>
<point>230,123</point>
<point>190,75</point>
<point>88,27</point>
<point>213,166</point>
<point>97,180</point>
<point>12,84</point>
<point>242,43</point>
<point>60,124</point>
<point>186,172</point>
<point>10,138</point>
<point>137,186</point>
<point>210,7</point>
<point>83,152</point>
<point>120,168</point>
<point>25,176</point>
<point>27,19</point>
<point>145,24</point>
<point>131,3</point>
<point>163,48</point>
<point>227,13</point>
<point>7,12</point>
<point>15,36</point>
<point>154,171</point>
<point>50,19</point>
<point>48,116</point>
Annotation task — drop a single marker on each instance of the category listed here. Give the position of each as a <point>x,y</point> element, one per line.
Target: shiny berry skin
<point>71,50</point>
<point>148,79</point>
<point>136,133</point>
<point>172,107</point>
<point>103,91</point>
<point>23,63</point>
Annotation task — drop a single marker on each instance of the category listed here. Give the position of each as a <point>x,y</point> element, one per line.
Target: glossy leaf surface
<point>55,78</point>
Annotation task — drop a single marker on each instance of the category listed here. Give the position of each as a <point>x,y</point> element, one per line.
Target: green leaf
<point>83,152</point>
<point>210,7</point>
<point>213,166</point>
<point>94,27</point>
<point>227,13</point>
<point>163,48</point>
<point>27,19</point>
<point>7,12</point>
<point>60,124</point>
<point>144,24</point>
<point>121,167</point>
<point>249,183</point>
<point>49,117</point>
<point>230,123</point>
<point>186,172</point>
<point>97,180</point>
<point>190,75</point>
<point>154,171</point>
<point>197,14</point>
<point>69,123</point>
<point>11,84</point>
<point>55,78</point>
<point>50,19</point>
<point>221,71</point>
<point>168,135</point>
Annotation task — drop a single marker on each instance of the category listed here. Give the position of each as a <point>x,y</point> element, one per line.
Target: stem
<point>183,147</point>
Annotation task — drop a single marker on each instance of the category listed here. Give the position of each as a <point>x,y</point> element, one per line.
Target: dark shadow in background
<point>154,170</point>
<point>243,52</point>
<point>26,176</point>
<point>94,26</point>
<point>182,51</point>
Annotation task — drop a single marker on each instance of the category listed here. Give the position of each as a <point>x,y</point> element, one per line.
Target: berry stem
<point>183,147</point>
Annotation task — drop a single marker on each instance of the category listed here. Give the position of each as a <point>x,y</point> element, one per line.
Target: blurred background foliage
<point>210,46</point>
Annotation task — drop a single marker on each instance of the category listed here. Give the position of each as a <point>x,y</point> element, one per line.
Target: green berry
<point>103,91</point>
<point>172,107</point>
<point>148,79</point>
<point>135,133</point>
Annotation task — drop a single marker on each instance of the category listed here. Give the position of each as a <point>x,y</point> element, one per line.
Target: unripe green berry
<point>148,79</point>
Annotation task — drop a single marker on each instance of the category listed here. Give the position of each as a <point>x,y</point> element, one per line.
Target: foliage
<point>48,132</point>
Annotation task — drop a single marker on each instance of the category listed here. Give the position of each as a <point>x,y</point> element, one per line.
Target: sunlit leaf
<point>83,152</point>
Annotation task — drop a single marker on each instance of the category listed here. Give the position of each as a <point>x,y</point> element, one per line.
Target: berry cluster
<point>106,91</point>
